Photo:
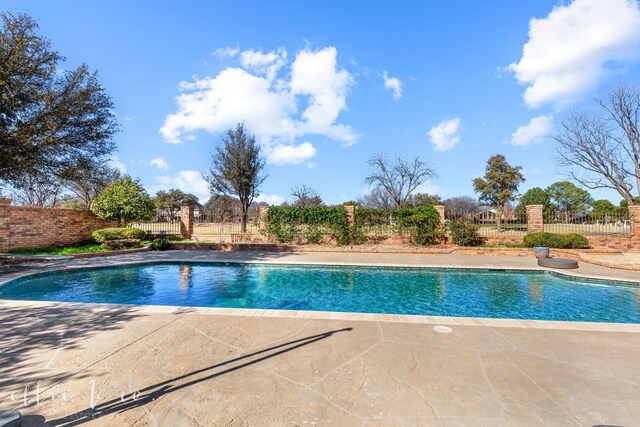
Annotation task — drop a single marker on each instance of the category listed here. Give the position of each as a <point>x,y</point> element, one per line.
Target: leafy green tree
<point>237,167</point>
<point>171,201</point>
<point>50,119</point>
<point>499,186</point>
<point>124,201</point>
<point>566,196</point>
<point>603,207</point>
<point>535,196</point>
<point>424,199</point>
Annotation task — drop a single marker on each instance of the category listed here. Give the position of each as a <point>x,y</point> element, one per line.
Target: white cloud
<point>393,84</point>
<point>160,163</point>
<point>571,50</point>
<point>445,135</point>
<point>534,131</point>
<point>314,74</point>
<point>226,52</point>
<point>428,188</point>
<point>187,181</point>
<point>267,104</point>
<point>296,154</point>
<point>115,162</point>
<point>271,199</point>
<point>217,104</point>
<point>267,64</point>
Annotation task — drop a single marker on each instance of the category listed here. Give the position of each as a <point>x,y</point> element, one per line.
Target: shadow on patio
<point>156,391</point>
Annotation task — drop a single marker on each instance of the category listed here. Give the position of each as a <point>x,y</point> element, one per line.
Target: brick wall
<point>31,227</point>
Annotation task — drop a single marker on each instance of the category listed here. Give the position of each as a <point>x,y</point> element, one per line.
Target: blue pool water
<point>424,291</point>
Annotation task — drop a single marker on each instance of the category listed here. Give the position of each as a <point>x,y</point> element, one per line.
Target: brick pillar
<point>634,221</point>
<point>262,214</point>
<point>440,209</point>
<point>5,205</point>
<point>263,211</point>
<point>349,211</point>
<point>535,219</point>
<point>186,221</point>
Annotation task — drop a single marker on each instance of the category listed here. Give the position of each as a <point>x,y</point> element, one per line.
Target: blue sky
<point>325,85</point>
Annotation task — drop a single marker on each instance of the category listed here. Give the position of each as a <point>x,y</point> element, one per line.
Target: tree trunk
<point>499,218</point>
<point>243,219</point>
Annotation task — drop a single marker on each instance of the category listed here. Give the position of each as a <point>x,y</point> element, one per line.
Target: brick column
<point>349,211</point>
<point>535,219</point>
<point>5,205</point>
<point>263,211</point>
<point>186,221</point>
<point>634,221</point>
<point>440,209</point>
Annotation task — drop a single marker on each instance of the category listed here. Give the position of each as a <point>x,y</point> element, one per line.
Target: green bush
<point>160,244</point>
<point>105,234</point>
<point>558,241</point>
<point>422,223</point>
<point>465,233</point>
<point>313,235</point>
<point>120,244</point>
<point>578,241</point>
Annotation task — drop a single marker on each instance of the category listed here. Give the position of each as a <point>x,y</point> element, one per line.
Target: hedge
<point>105,234</point>
<point>284,222</point>
<point>558,241</point>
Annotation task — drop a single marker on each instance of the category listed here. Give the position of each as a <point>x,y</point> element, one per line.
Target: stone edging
<point>344,316</point>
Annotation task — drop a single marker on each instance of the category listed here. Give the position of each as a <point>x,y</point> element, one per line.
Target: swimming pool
<point>392,290</point>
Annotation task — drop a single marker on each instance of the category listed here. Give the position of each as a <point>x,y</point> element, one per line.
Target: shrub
<point>106,234</point>
<point>558,241</point>
<point>313,235</point>
<point>465,233</point>
<point>120,244</point>
<point>423,223</point>
<point>578,241</point>
<point>160,244</point>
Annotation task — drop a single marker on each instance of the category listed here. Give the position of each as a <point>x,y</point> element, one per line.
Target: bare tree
<point>306,197</point>
<point>602,150</point>
<point>400,178</point>
<point>461,206</point>
<point>236,169</point>
<point>38,190</point>
<point>377,199</point>
<point>88,179</point>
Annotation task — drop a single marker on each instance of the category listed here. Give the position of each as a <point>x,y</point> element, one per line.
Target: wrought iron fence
<point>159,226</point>
<point>376,223</point>
<point>216,228</point>
<point>614,223</point>
<point>493,222</point>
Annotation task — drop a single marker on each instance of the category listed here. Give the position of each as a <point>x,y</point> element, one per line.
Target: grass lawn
<point>65,250</point>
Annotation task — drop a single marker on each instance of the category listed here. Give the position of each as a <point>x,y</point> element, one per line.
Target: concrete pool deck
<point>127,365</point>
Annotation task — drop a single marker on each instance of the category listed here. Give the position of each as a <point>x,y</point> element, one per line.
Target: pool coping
<point>336,316</point>
<point>329,315</point>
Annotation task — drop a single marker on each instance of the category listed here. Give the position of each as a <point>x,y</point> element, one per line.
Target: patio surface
<point>124,365</point>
